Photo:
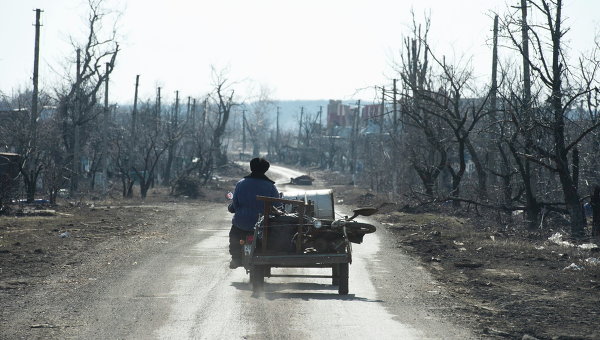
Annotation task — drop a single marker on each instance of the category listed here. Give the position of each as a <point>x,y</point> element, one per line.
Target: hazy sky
<point>300,49</point>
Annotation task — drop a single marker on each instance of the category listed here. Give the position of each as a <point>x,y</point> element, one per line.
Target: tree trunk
<point>130,184</point>
<point>144,186</point>
<point>76,158</point>
<point>572,201</point>
<point>93,183</point>
<point>506,177</point>
<point>52,196</point>
<point>532,207</point>
<point>169,165</point>
<point>427,181</point>
<point>457,176</point>
<point>596,213</point>
<point>30,186</point>
<point>76,130</point>
<point>124,185</point>
<point>567,180</point>
<point>479,170</point>
<point>255,149</point>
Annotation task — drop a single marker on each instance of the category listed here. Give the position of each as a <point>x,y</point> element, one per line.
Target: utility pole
<point>158,108</point>
<point>529,179</point>
<point>76,128</point>
<point>395,152</point>
<point>31,161</point>
<point>357,118</point>
<point>395,109</point>
<point>132,141</point>
<point>307,129</point>
<point>194,115</point>
<point>134,113</point>
<point>189,108</point>
<point>354,138</point>
<point>300,125</point>
<point>494,89</point>
<point>382,110</point>
<point>321,157</point>
<point>204,113</point>
<point>277,136</point>
<point>133,124</point>
<point>494,106</point>
<point>34,99</point>
<point>176,113</point>
<point>187,125</point>
<point>171,128</point>
<point>525,47</point>
<point>243,131</point>
<point>175,131</point>
<point>105,134</point>
<point>320,117</point>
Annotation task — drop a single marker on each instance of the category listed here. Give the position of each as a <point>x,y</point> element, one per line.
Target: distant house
<point>338,114</point>
<point>372,112</point>
<point>341,116</point>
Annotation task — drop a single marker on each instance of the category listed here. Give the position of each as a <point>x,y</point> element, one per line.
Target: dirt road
<point>186,291</point>
<point>172,282</point>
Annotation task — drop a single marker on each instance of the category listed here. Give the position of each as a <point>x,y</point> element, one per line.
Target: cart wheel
<point>335,274</point>
<point>343,279</point>
<point>257,278</point>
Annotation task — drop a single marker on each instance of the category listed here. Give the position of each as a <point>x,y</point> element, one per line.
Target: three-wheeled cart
<point>300,240</point>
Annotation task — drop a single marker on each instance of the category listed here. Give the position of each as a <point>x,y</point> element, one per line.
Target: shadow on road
<point>275,291</point>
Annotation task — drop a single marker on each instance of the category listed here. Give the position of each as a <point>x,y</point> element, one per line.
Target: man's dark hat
<point>259,165</point>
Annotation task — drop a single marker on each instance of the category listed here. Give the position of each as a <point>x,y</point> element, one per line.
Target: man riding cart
<point>246,208</point>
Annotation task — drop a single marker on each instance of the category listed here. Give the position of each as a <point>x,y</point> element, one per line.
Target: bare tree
<point>175,130</point>
<point>551,116</point>
<point>461,116</point>
<point>150,146</point>
<point>429,156</point>
<point>19,140</point>
<point>78,100</point>
<point>223,101</point>
<point>257,122</point>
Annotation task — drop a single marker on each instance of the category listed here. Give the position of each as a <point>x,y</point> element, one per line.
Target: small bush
<point>187,186</point>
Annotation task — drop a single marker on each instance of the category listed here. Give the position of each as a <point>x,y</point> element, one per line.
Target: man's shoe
<point>235,264</point>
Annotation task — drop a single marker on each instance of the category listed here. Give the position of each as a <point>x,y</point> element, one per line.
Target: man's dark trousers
<point>235,235</point>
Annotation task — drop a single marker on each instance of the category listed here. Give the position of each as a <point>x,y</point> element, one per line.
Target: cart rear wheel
<point>257,278</point>
<point>343,278</point>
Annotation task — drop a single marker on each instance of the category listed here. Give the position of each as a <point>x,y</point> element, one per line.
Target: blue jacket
<point>245,204</point>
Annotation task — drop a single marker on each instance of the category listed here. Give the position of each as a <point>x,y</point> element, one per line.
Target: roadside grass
<point>511,282</point>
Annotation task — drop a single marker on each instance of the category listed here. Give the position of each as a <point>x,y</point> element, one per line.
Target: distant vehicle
<point>302,180</point>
